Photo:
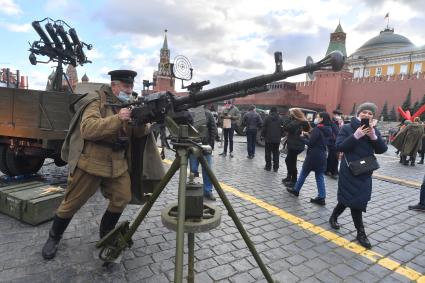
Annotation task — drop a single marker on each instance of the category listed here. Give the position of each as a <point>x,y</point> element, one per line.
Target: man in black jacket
<point>202,116</point>
<point>272,132</point>
<point>252,121</point>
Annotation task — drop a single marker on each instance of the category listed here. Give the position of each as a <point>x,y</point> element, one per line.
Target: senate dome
<point>386,41</point>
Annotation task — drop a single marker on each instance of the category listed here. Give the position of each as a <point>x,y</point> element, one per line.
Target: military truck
<point>34,123</point>
<point>33,126</point>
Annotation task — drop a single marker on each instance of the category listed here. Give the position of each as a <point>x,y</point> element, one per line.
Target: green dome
<point>387,40</point>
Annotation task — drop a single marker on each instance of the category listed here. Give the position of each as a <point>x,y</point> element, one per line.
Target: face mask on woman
<point>316,121</point>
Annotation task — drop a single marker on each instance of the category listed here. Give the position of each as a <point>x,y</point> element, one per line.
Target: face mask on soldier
<point>123,97</point>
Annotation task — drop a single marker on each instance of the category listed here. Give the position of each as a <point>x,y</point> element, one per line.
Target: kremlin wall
<point>382,70</point>
<point>333,89</point>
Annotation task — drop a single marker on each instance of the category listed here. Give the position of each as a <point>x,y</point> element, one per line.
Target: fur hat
<point>367,106</point>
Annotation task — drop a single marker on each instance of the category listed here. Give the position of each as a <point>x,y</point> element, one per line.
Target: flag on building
<point>387,15</point>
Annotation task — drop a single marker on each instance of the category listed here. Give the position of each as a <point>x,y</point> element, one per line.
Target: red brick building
<point>382,78</point>
<point>12,79</point>
<point>387,67</point>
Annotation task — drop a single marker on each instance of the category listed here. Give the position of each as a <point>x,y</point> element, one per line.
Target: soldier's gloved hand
<point>124,114</point>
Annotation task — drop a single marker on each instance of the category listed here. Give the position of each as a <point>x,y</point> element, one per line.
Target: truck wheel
<point>3,167</point>
<point>22,164</point>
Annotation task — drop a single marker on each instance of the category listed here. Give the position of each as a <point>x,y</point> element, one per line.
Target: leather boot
<point>362,238</point>
<point>422,160</point>
<point>55,234</point>
<point>108,222</point>
<point>404,160</point>
<point>333,221</point>
<point>287,179</point>
<point>293,179</point>
<point>412,161</point>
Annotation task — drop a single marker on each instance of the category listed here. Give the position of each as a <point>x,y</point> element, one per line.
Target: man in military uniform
<point>101,152</point>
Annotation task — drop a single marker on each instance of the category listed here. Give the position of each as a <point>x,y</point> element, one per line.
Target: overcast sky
<point>224,40</point>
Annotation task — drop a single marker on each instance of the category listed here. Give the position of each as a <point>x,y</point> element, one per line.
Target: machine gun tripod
<point>165,107</point>
<point>200,218</point>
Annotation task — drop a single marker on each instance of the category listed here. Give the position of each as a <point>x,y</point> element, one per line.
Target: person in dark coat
<point>202,116</point>
<point>332,161</point>
<point>356,142</point>
<point>252,121</point>
<point>315,160</point>
<point>294,126</point>
<point>272,133</point>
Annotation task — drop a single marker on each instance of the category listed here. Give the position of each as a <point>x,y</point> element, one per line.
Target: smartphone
<point>364,122</point>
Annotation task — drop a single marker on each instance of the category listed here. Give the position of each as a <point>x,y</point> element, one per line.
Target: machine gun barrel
<point>37,27</point>
<point>51,31</point>
<point>334,61</point>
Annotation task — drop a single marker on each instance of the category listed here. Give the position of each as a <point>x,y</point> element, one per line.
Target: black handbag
<point>362,166</point>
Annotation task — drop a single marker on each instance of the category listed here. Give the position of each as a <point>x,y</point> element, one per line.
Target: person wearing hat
<point>357,141</point>
<point>103,150</point>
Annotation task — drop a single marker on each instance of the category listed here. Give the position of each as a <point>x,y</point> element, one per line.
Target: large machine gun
<point>190,215</point>
<point>58,47</point>
<point>155,107</point>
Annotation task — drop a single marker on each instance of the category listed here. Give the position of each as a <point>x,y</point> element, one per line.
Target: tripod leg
<point>235,219</point>
<point>178,271</point>
<point>149,203</point>
<point>191,257</point>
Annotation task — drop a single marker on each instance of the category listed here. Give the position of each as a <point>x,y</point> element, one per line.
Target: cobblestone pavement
<point>291,234</point>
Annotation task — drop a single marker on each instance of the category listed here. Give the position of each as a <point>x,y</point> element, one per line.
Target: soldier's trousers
<point>82,185</point>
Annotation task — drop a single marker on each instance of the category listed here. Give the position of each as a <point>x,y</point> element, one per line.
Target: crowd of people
<point>104,150</point>
<point>326,140</point>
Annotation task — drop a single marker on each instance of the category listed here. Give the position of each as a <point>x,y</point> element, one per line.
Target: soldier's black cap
<point>125,76</point>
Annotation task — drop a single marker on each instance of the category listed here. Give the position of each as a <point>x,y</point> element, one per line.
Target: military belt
<point>115,146</point>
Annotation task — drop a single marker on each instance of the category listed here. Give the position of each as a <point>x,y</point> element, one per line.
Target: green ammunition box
<point>32,202</point>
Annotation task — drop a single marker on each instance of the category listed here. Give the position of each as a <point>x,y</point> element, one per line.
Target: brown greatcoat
<point>409,140</point>
<point>94,122</point>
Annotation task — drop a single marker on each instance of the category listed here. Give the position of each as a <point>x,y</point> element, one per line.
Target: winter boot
<point>55,234</point>
<point>108,222</point>
<point>287,179</point>
<point>293,180</point>
<point>422,159</point>
<point>362,238</point>
<point>318,200</point>
<point>333,221</point>
<point>412,161</point>
<point>404,160</point>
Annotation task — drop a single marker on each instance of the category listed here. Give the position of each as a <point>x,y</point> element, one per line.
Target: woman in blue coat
<point>356,142</point>
<point>315,160</point>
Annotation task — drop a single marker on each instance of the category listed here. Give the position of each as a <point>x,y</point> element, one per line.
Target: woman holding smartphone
<point>357,140</point>
<point>317,140</point>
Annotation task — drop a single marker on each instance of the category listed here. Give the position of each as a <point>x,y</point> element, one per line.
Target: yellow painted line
<point>330,236</point>
<point>397,180</point>
<point>390,179</point>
